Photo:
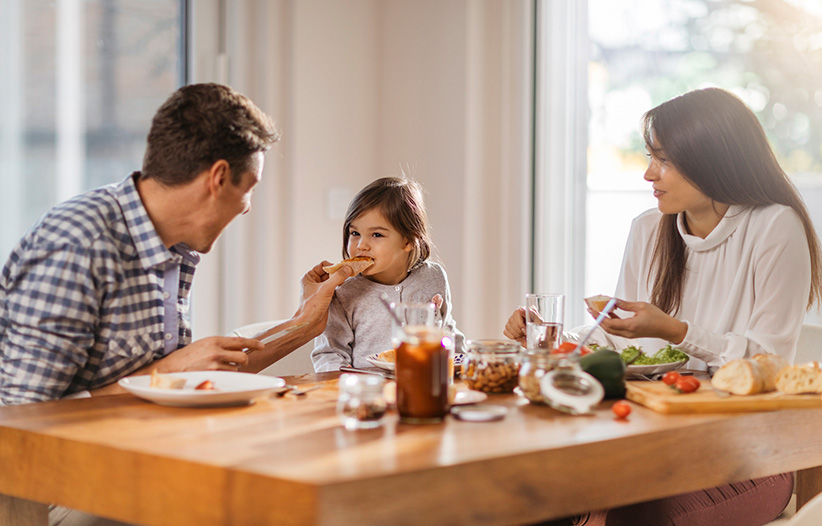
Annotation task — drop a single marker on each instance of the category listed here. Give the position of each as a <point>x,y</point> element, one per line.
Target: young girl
<point>723,269</point>
<point>387,222</point>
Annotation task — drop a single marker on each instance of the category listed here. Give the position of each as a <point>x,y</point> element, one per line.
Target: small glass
<point>491,366</point>
<point>361,403</point>
<point>422,374</point>
<point>535,364</point>
<point>544,317</point>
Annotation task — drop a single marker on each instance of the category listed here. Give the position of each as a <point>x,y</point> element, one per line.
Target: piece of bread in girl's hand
<point>597,303</point>
<point>798,379</point>
<point>358,264</point>
<point>749,376</point>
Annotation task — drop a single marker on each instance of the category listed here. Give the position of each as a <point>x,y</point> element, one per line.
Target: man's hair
<point>201,124</point>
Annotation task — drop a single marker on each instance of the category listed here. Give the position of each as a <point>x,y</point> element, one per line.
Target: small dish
<point>479,413</point>
<point>232,388</point>
<point>468,396</point>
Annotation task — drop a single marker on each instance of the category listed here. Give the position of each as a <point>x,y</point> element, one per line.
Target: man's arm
<point>317,290</point>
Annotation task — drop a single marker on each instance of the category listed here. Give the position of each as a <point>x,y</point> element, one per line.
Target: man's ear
<point>219,176</point>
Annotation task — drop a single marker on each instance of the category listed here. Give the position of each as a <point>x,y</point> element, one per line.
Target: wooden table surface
<point>289,461</point>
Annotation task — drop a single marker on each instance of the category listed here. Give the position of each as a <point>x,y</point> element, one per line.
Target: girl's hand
<point>437,301</point>
<point>515,328</point>
<point>647,322</point>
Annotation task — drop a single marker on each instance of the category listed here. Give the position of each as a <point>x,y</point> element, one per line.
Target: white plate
<point>390,366</point>
<point>468,396</point>
<point>234,389</point>
<point>649,370</point>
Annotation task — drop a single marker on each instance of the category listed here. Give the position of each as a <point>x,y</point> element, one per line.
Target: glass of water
<point>544,317</point>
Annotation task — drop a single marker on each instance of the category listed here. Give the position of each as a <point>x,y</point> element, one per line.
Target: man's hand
<point>217,353</point>
<point>648,321</point>
<point>317,291</point>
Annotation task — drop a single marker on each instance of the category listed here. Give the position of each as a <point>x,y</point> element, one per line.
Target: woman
<point>724,269</point>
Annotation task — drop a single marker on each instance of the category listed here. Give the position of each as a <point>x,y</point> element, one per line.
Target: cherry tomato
<point>687,384</point>
<point>621,409</point>
<point>206,385</point>
<point>670,378</point>
<point>568,347</point>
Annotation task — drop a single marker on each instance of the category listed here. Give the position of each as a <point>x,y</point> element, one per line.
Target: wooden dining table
<point>289,460</point>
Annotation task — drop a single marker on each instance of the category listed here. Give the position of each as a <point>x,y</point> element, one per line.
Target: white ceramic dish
<point>468,396</point>
<point>233,389</point>
<point>650,370</point>
<point>390,366</point>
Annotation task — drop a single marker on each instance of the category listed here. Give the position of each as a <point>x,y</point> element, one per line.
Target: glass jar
<point>534,366</point>
<point>361,403</point>
<point>491,366</point>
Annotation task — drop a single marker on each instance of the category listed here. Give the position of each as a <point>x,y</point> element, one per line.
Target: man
<point>99,288</point>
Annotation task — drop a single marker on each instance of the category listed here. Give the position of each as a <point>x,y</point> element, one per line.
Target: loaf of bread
<point>798,379</point>
<point>358,264</point>
<point>749,376</point>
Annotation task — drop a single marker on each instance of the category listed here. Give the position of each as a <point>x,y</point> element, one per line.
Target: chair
<point>298,362</point>
<point>253,329</point>
<point>809,346</point>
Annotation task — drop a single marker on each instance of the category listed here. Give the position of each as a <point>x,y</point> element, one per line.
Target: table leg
<point>21,512</point>
<point>808,485</point>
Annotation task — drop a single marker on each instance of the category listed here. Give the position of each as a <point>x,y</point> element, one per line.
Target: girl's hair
<point>716,142</point>
<point>400,201</point>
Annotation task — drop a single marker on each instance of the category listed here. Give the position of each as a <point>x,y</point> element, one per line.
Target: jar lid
<point>571,391</point>
<point>493,346</point>
<point>479,412</point>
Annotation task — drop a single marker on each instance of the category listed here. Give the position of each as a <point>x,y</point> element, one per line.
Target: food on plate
<point>388,356</point>
<point>165,381</point>
<point>749,376</point>
<point>798,379</point>
<point>358,264</point>
<point>206,385</point>
<point>634,356</point>
<point>597,303</point>
<point>621,409</point>
<point>687,384</point>
<point>569,347</point>
<point>606,366</point>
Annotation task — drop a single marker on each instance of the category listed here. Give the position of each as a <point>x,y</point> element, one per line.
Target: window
<point>81,80</point>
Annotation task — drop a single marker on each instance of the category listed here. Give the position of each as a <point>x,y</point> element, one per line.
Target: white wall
<point>363,89</point>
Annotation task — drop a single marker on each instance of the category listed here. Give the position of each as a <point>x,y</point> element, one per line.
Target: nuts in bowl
<point>491,366</point>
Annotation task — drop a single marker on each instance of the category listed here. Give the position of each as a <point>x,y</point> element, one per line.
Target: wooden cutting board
<point>663,399</point>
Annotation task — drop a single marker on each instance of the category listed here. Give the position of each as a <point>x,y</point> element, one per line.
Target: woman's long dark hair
<point>716,142</point>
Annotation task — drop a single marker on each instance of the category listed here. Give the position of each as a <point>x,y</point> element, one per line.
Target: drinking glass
<point>544,316</point>
<point>422,374</point>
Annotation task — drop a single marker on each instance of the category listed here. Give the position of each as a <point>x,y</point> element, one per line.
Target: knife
<point>349,369</point>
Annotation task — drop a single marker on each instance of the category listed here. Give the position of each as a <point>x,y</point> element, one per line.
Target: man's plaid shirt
<point>81,297</point>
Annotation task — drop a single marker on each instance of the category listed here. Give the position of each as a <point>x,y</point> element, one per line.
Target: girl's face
<point>370,234</point>
<point>673,191</point>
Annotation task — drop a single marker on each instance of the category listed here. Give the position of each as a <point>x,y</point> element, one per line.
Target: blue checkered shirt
<point>81,297</point>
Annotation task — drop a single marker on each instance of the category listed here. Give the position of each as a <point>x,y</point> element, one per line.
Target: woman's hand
<point>648,321</point>
<point>515,328</point>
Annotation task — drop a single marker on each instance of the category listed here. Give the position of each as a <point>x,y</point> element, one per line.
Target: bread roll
<point>749,376</point>
<point>798,379</point>
<point>358,264</point>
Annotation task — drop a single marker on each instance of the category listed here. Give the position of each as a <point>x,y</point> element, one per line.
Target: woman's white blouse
<point>746,284</point>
